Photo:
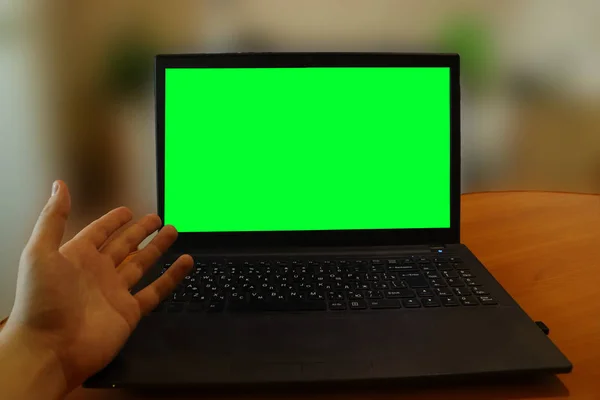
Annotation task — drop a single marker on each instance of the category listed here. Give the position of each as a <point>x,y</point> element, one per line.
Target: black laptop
<point>319,195</point>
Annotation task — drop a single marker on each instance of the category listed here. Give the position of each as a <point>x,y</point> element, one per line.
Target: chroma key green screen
<point>289,149</point>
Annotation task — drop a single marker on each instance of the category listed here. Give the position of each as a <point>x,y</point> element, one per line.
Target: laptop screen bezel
<point>320,238</point>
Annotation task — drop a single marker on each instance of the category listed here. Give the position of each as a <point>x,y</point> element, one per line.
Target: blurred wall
<point>76,80</point>
<point>24,156</point>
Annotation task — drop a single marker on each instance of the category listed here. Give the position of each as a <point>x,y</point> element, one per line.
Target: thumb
<point>50,226</point>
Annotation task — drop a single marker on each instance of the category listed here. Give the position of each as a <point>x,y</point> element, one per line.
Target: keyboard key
<point>360,266</point>
<point>454,260</point>
<point>437,283</point>
<point>381,286</point>
<point>465,273</point>
<point>355,296</point>
<point>462,291</point>
<point>444,292</point>
<point>425,293</point>
<point>399,285</point>
<point>472,282</point>
<point>338,286</point>
<point>377,268</point>
<point>430,302</point>
<point>266,305</point>
<point>372,277</point>
<point>351,277</point>
<point>487,300</point>
<point>314,295</point>
<point>337,305</point>
<point>468,301</point>
<point>455,282</point>
<point>191,289</point>
<point>384,303</point>
<point>374,294</point>
<point>450,274</point>
<point>216,306</point>
<point>175,307</point>
<point>479,291</point>
<point>403,268</point>
<point>448,301</point>
<point>198,298</point>
<point>180,297</point>
<point>416,282</point>
<point>443,266</point>
<point>336,296</point>
<point>404,275</point>
<point>307,306</point>
<point>411,303</point>
<point>399,294</point>
<point>241,306</point>
<point>432,275</point>
<point>358,305</point>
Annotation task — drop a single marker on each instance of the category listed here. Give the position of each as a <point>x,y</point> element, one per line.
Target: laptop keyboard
<point>270,285</point>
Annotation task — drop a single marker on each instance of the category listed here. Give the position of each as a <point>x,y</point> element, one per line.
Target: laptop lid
<point>308,149</point>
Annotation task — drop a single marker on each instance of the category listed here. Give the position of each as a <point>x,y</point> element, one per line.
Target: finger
<point>131,238</point>
<point>50,226</point>
<point>101,229</point>
<point>133,270</point>
<point>116,234</point>
<point>157,291</point>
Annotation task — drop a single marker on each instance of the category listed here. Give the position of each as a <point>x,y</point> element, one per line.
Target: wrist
<point>29,368</point>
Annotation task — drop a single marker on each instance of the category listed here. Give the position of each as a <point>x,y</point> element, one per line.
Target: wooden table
<point>544,248</point>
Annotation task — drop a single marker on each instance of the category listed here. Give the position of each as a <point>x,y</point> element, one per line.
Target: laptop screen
<point>298,149</point>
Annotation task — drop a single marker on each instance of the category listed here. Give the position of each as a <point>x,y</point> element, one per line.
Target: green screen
<point>285,149</point>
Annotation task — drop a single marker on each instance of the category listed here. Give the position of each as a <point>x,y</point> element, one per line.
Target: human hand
<point>73,302</point>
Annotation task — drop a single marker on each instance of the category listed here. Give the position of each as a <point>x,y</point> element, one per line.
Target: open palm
<point>76,298</point>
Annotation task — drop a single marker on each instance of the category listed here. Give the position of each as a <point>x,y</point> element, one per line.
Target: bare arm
<point>29,371</point>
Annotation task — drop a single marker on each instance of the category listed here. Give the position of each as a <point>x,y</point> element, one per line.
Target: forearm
<point>28,371</point>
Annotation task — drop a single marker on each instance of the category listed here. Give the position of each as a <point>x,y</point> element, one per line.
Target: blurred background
<point>76,98</point>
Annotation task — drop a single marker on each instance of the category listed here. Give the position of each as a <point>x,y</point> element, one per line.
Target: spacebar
<point>308,306</point>
<point>281,306</point>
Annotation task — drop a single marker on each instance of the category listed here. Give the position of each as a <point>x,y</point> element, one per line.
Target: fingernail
<point>55,187</point>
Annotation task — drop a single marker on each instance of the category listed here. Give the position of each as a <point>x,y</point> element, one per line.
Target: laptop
<point>319,194</point>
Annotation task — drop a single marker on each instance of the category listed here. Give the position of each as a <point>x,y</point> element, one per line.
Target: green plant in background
<point>130,66</point>
<point>469,36</point>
